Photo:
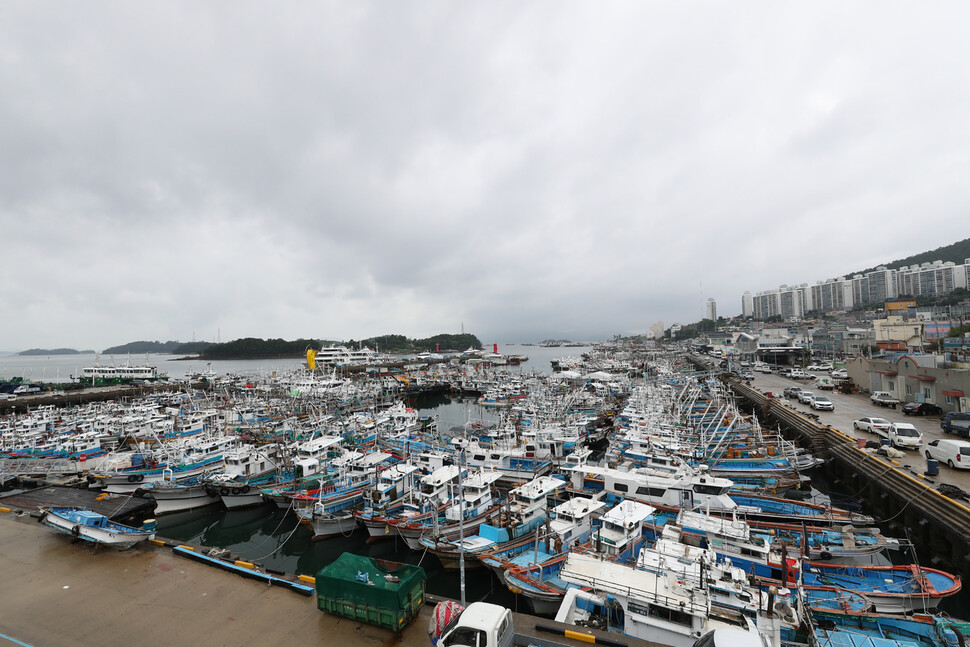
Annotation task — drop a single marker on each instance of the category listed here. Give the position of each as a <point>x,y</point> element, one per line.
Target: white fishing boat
<point>526,507</point>
<point>662,607</point>
<point>95,527</point>
<point>171,496</point>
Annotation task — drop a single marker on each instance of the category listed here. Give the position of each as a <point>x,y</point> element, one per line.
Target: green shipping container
<point>376,592</point>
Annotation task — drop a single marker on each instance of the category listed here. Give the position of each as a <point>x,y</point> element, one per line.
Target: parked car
<point>805,396</point>
<point>792,391</point>
<point>955,453</point>
<point>822,403</point>
<point>922,409</point>
<point>747,375</point>
<point>839,373</point>
<point>903,435</point>
<point>956,423</point>
<point>820,366</point>
<point>872,425</point>
<point>798,374</point>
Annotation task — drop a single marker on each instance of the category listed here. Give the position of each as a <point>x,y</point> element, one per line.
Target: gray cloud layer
<point>532,170</point>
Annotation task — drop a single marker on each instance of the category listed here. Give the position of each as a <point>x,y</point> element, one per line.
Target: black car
<point>922,409</point>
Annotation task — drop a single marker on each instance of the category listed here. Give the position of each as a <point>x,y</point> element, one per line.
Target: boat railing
<point>16,467</point>
<point>690,605</point>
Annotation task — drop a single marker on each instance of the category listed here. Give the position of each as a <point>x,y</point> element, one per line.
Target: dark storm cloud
<point>350,169</point>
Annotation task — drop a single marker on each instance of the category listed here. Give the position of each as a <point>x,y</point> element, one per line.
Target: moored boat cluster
<point>626,493</point>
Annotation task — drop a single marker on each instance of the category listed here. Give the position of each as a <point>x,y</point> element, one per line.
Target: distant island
<point>55,351</point>
<point>173,347</point>
<point>255,348</point>
<point>401,344</point>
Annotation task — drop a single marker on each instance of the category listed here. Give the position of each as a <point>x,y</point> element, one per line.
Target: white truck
<point>884,399</point>
<point>480,625</point>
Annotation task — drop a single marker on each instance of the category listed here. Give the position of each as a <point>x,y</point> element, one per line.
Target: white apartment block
<point>875,287</point>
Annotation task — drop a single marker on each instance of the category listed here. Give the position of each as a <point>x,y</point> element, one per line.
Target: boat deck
<point>116,507</point>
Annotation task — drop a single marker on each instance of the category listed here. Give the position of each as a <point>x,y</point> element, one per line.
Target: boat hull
<point>180,498</point>
<point>113,535</point>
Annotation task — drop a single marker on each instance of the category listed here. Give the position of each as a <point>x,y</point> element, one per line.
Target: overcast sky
<point>529,170</point>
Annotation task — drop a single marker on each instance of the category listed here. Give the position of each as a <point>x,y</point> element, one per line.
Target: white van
<point>955,453</point>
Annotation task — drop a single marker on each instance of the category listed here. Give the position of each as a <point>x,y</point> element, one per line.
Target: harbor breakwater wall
<point>24,404</point>
<point>905,503</point>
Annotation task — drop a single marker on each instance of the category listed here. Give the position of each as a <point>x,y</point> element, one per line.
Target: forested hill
<point>254,348</point>
<point>401,344</point>
<point>957,252</point>
<point>175,347</point>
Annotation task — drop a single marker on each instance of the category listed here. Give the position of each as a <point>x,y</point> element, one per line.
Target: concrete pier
<point>58,592</point>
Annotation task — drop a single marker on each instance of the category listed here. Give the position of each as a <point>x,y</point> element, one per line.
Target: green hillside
<point>402,344</point>
<point>957,252</point>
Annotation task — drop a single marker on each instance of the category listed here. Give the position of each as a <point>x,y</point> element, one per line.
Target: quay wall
<point>60,592</point>
<point>905,504</point>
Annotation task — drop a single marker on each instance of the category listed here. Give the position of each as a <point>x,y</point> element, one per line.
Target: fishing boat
<point>95,527</point>
<point>661,607</point>
<point>832,628</point>
<point>173,496</point>
<point>472,503</point>
<point>429,498</point>
<point>735,538</point>
<point>618,538</point>
<point>907,588</point>
<point>393,489</point>
<point>332,511</point>
<point>689,488</point>
<point>570,526</point>
<point>526,508</point>
<point>236,493</point>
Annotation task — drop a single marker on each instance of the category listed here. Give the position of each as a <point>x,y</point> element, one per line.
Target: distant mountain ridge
<point>957,252</point>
